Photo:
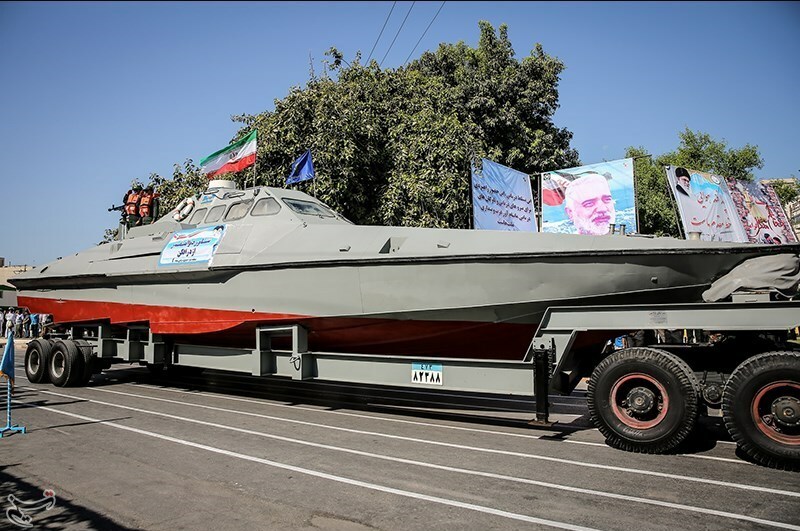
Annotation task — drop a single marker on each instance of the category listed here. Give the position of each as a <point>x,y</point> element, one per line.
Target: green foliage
<point>787,191</point>
<point>109,236</point>
<point>697,151</point>
<point>395,146</point>
<point>186,180</point>
<point>657,214</point>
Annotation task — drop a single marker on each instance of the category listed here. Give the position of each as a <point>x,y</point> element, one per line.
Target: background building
<point>8,294</point>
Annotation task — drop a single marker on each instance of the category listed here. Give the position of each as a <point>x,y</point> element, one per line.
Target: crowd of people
<point>24,323</point>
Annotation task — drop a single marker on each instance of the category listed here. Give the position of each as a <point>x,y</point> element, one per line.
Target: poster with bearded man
<point>589,199</point>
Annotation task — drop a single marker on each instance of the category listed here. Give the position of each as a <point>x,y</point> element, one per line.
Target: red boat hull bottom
<point>231,328</point>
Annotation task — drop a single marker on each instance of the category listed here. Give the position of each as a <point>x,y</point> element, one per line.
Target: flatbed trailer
<point>644,398</point>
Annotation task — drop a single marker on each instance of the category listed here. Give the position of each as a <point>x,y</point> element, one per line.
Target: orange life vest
<point>146,203</point>
<point>132,203</point>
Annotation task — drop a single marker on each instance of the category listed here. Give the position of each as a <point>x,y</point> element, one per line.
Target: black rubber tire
<point>156,369</point>
<point>87,351</point>
<point>746,401</point>
<point>37,358</point>
<point>672,384</point>
<point>182,371</point>
<point>66,364</point>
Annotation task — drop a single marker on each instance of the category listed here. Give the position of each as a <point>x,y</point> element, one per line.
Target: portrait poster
<point>760,211</point>
<point>705,205</point>
<point>192,246</point>
<point>589,199</point>
<point>502,199</point>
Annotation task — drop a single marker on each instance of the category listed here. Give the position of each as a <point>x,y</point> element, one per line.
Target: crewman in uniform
<point>132,199</point>
<point>148,206</point>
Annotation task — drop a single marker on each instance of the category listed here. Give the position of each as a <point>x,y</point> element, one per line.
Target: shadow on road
<point>66,514</point>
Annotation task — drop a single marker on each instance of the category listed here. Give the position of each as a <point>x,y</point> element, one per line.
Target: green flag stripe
<point>235,145</point>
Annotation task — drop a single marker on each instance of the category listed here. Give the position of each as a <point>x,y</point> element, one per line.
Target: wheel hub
<point>786,411</point>
<point>640,400</point>
<point>33,361</point>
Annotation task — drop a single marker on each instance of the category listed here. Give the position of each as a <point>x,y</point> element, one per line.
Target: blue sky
<point>97,94</point>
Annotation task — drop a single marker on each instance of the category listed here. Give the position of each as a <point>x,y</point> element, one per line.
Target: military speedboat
<point>227,261</point>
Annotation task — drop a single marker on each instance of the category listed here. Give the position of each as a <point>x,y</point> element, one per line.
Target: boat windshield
<point>308,208</point>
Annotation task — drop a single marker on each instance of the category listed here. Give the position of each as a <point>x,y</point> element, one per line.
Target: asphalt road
<point>217,451</point>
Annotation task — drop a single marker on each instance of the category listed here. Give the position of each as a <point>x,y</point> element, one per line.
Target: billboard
<point>502,199</point>
<point>705,205</point>
<point>760,212</point>
<point>588,199</point>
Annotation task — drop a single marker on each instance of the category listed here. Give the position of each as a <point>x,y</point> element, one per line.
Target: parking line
<point>451,445</point>
<point>332,477</point>
<point>605,494</point>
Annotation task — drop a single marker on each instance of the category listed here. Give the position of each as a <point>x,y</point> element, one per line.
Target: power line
<point>398,33</point>
<point>381,33</point>
<point>424,32</point>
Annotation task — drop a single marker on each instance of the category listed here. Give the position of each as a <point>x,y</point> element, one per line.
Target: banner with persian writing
<point>705,205</point>
<point>760,211</point>
<point>502,199</point>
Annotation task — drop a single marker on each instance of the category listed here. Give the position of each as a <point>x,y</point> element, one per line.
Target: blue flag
<point>302,169</point>
<point>7,365</point>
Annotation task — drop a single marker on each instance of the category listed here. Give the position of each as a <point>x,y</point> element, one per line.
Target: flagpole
<point>255,163</point>
<point>10,427</point>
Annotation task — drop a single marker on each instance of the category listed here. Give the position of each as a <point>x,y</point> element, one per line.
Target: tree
<point>396,146</point>
<point>787,190</point>
<point>697,151</point>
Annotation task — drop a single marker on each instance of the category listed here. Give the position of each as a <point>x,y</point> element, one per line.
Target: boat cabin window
<point>308,208</point>
<point>266,206</point>
<point>197,217</point>
<point>238,210</point>
<point>215,214</point>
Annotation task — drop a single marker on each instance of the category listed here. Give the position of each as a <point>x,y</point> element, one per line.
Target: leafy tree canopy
<point>394,146</point>
<point>787,191</point>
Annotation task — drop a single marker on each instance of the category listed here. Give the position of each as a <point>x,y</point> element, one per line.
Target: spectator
<point>18,323</point>
<point>26,323</point>
<point>47,323</point>
<point>9,321</point>
<point>34,325</point>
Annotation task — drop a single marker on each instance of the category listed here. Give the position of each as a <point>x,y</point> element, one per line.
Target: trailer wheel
<point>66,364</point>
<point>761,408</point>
<point>87,353</point>
<point>37,357</point>
<point>643,400</point>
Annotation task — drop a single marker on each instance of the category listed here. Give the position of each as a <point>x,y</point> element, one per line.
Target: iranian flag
<point>235,157</point>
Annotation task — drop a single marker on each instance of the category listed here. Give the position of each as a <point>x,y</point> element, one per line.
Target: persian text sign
<point>192,246</point>
<point>760,211</point>
<point>705,205</point>
<point>589,199</point>
<point>502,199</point>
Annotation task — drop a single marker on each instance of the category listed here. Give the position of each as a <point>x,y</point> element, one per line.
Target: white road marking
<point>332,477</point>
<point>450,445</point>
<point>431,424</point>
<point>711,457</point>
<point>428,465</point>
